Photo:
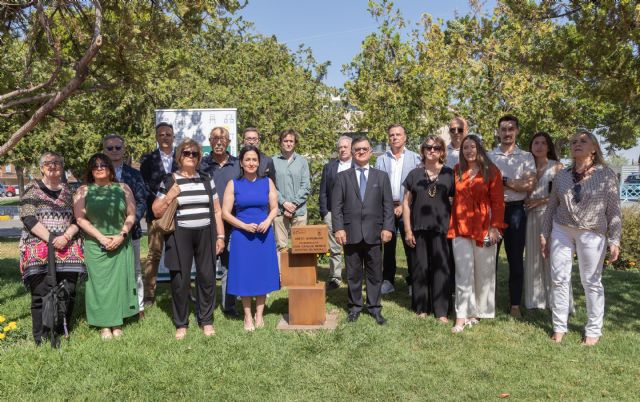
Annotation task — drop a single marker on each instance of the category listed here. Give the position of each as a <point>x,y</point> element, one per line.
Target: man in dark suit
<point>251,136</point>
<point>153,167</point>
<point>113,146</point>
<point>329,172</point>
<point>363,220</point>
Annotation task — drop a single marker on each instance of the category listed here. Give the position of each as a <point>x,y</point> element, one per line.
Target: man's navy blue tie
<point>363,183</point>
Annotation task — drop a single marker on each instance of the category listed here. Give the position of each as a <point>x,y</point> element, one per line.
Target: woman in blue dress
<point>253,262</point>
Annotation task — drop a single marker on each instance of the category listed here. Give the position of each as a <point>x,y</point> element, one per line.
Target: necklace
<point>578,176</point>
<point>432,185</point>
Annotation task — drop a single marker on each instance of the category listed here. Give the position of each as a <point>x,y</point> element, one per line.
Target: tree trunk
<point>20,176</point>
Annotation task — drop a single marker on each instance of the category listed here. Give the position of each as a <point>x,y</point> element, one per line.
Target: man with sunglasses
<point>222,167</point>
<point>518,170</point>
<point>397,162</point>
<point>458,129</point>
<point>113,146</point>
<point>153,167</point>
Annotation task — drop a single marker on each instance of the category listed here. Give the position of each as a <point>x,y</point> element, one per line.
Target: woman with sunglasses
<point>537,277</point>
<point>477,217</point>
<point>426,211</point>
<point>106,210</point>
<point>199,234</point>
<point>46,211</point>
<point>582,217</point>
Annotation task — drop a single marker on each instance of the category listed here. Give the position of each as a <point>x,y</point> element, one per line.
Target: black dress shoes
<point>380,320</point>
<point>353,317</point>
<point>333,284</point>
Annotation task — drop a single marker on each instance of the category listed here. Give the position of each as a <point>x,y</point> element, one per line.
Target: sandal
<point>259,324</point>
<point>249,326</point>
<point>590,340</point>
<point>457,329</point>
<point>208,330</point>
<point>117,332</point>
<point>105,333</point>
<point>181,333</point>
<point>471,322</point>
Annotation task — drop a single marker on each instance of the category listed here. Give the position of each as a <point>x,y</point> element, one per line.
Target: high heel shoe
<point>259,323</point>
<point>249,326</point>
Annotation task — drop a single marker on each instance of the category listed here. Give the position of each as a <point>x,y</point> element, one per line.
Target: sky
<point>335,29</point>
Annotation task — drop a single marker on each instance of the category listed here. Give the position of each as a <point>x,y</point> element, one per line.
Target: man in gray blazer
<point>397,162</point>
<point>362,217</point>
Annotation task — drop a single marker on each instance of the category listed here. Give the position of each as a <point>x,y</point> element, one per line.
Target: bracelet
<point>220,237</point>
<point>64,234</point>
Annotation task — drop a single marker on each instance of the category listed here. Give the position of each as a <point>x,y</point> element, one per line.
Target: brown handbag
<point>167,223</point>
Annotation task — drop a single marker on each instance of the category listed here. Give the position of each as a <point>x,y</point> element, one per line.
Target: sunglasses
<point>456,130</point>
<point>361,149</point>
<point>576,193</point>
<point>52,163</point>
<point>116,147</point>
<point>436,148</point>
<point>100,166</point>
<point>190,154</point>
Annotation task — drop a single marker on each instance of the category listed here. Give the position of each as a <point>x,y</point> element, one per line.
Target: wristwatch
<point>504,180</point>
<point>124,234</point>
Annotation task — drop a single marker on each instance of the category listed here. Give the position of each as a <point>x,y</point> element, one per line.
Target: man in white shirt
<point>329,172</point>
<point>458,129</point>
<point>397,162</point>
<point>518,170</point>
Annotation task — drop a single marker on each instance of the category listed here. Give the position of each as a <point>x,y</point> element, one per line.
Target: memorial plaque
<point>309,239</point>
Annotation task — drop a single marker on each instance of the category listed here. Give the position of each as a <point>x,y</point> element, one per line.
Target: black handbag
<point>54,303</point>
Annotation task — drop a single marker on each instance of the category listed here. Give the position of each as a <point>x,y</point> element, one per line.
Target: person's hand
<point>385,236</point>
<point>529,203</point>
<point>341,237</point>
<point>410,239</point>
<point>59,242</point>
<point>116,241</point>
<point>397,210</point>
<point>263,226</point>
<point>544,247</point>
<point>494,235</point>
<point>614,253</point>
<point>105,241</point>
<point>250,227</point>
<point>219,246</point>
<point>289,206</point>
<point>287,214</point>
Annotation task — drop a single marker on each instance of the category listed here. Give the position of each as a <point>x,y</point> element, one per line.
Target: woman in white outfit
<point>583,216</point>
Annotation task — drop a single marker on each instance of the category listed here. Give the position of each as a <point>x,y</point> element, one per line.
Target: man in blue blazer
<point>362,217</point>
<point>153,167</point>
<point>397,162</point>
<point>113,146</point>
<point>329,172</point>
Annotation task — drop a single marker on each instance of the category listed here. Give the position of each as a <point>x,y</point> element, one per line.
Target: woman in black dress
<point>426,210</point>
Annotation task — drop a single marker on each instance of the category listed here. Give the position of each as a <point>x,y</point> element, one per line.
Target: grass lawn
<point>407,359</point>
<point>9,201</point>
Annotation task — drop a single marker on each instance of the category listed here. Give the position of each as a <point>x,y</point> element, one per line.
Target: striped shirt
<point>194,204</point>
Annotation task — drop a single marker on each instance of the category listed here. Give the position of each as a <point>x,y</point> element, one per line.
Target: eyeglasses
<point>52,163</point>
<point>361,149</point>
<point>100,166</point>
<point>576,193</point>
<point>190,154</point>
<point>251,139</point>
<point>116,147</point>
<point>435,148</point>
<point>213,140</point>
<point>456,130</point>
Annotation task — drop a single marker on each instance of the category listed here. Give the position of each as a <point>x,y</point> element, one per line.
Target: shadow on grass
<point>10,276</point>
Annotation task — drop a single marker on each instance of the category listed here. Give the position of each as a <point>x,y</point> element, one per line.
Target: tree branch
<point>82,71</point>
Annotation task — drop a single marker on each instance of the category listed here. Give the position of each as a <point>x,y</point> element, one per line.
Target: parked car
<point>633,178</point>
<point>7,190</point>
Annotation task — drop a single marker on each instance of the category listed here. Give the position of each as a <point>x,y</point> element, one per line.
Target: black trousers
<point>389,263</point>
<point>431,274</point>
<point>364,259</point>
<point>190,244</point>
<point>514,243</point>
<point>38,287</point>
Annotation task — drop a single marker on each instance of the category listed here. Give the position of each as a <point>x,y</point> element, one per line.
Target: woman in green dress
<point>105,211</point>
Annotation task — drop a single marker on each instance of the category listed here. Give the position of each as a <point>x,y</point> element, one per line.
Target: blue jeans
<point>514,243</point>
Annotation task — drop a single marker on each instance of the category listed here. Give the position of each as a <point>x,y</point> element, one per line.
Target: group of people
<point>451,205</point>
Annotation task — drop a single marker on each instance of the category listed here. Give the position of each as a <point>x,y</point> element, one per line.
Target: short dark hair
<point>360,138</point>
<point>164,124</point>
<point>509,117</point>
<point>289,131</point>
<point>244,150</point>
<point>551,149</point>
<point>246,130</point>
<point>93,161</point>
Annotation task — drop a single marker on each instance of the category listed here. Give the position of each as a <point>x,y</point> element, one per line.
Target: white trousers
<point>590,248</point>
<point>475,279</point>
<point>138,268</point>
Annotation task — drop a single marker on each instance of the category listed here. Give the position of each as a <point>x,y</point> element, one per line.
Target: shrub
<point>629,244</point>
